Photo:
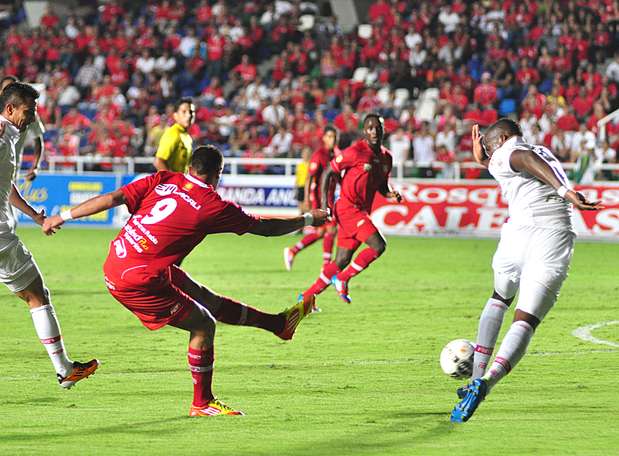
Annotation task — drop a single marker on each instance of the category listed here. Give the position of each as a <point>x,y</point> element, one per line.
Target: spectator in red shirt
<point>245,70</point>
<point>485,93</point>
<point>582,104</point>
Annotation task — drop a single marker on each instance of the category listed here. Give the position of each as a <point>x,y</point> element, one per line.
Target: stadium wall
<point>429,207</point>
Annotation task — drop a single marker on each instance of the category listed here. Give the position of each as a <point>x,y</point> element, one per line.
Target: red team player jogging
<point>318,164</point>
<point>364,168</point>
<point>171,213</point>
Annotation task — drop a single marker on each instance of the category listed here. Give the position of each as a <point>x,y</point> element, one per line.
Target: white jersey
<point>8,140</point>
<point>531,202</point>
<point>34,129</point>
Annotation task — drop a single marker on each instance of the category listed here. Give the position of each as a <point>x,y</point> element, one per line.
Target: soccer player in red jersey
<point>318,163</point>
<point>365,168</point>
<point>171,213</point>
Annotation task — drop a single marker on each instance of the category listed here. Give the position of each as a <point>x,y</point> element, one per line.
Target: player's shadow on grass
<point>32,401</point>
<point>130,428</point>
<point>408,430</point>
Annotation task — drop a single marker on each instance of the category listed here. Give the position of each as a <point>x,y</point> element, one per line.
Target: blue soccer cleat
<point>341,287</point>
<point>476,392</point>
<point>461,392</point>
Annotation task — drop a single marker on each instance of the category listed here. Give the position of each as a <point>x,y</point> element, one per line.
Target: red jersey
<point>363,173</point>
<point>170,214</point>
<point>318,163</point>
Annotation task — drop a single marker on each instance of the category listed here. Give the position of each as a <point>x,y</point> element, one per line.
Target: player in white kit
<point>18,270</point>
<point>35,130</point>
<point>533,254</point>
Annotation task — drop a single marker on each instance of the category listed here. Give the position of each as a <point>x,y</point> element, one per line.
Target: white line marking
<point>584,333</point>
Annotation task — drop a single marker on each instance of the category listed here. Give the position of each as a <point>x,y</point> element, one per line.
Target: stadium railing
<point>605,120</point>
<point>276,166</point>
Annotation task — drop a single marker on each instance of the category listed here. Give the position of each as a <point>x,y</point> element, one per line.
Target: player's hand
<point>52,224</point>
<point>395,195</point>
<point>320,216</point>
<point>478,149</point>
<point>31,175</point>
<point>39,217</point>
<point>579,201</point>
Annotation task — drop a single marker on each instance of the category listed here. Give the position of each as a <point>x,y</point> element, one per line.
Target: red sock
<point>306,241</point>
<point>323,281</point>
<point>201,367</point>
<point>363,260</point>
<point>327,247</point>
<point>235,313</point>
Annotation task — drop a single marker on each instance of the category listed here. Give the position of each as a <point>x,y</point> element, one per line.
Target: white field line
<point>584,333</point>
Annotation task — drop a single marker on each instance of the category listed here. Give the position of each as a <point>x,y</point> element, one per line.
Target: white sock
<point>48,330</point>
<point>511,351</point>
<point>490,323</point>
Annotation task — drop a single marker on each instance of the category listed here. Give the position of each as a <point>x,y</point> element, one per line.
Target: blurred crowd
<point>268,75</point>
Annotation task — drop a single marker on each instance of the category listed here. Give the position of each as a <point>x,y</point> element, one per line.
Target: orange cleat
<point>80,372</point>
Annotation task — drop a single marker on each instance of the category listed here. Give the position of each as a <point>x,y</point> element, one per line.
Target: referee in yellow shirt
<point>174,151</point>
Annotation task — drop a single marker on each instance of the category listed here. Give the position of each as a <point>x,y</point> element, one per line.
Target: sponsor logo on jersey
<point>119,248</point>
<point>188,186</point>
<point>165,189</point>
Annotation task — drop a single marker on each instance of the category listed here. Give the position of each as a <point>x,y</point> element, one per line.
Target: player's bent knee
<point>507,301</point>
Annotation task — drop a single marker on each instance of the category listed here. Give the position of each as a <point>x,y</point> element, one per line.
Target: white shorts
<point>17,267</point>
<point>536,260</point>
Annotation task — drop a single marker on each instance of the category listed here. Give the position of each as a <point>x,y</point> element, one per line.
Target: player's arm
<point>39,147</point>
<point>277,226</point>
<point>89,207</point>
<point>164,150</point>
<point>531,163</point>
<point>328,175</point>
<point>386,190</point>
<point>18,201</point>
<point>479,150</point>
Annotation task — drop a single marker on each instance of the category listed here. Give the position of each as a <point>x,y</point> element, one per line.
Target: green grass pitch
<point>359,379</point>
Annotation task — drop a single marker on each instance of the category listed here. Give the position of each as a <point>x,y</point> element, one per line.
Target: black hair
<point>8,77</point>
<point>17,93</point>
<point>375,116</point>
<point>329,128</point>
<point>181,102</point>
<point>503,127</point>
<point>206,159</point>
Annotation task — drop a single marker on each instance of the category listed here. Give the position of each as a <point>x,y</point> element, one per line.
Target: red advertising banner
<point>476,208</point>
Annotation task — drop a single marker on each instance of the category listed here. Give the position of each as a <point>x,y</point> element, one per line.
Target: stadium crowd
<point>267,76</point>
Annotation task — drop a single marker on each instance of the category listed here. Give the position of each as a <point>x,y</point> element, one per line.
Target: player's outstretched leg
<point>361,262</point>
<point>306,241</point>
<point>47,328</point>
<point>295,314</point>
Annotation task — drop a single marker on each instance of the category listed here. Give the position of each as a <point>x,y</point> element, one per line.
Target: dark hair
<point>329,128</point>
<point>8,77</point>
<point>17,93</point>
<point>206,159</point>
<point>181,102</point>
<point>505,127</point>
<point>375,116</point>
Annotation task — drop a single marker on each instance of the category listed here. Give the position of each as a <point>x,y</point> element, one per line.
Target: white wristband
<point>66,215</point>
<point>309,219</point>
<point>561,191</point>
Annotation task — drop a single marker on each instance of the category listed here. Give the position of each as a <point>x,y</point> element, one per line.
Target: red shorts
<point>354,227</point>
<point>156,298</point>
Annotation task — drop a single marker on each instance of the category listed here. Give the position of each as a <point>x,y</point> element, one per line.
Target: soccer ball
<point>457,358</point>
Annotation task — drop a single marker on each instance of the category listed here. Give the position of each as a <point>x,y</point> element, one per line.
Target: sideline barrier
<point>475,208</point>
<point>429,207</point>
